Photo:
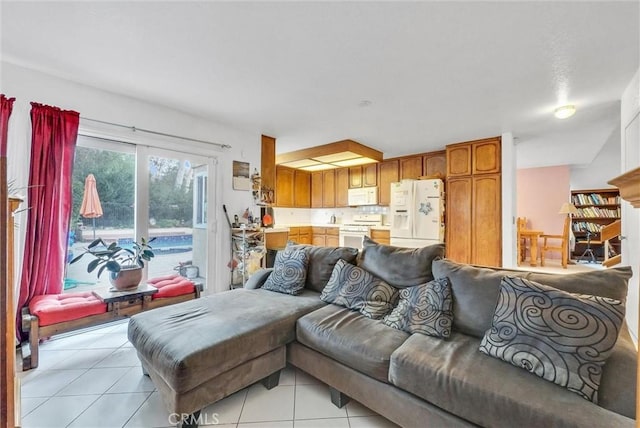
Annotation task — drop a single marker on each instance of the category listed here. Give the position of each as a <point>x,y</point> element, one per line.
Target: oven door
<point>352,239</point>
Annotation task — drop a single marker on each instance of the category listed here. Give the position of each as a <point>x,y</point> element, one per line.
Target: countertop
<point>285,227</point>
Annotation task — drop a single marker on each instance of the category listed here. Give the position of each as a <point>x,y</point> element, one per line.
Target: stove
<point>351,234</point>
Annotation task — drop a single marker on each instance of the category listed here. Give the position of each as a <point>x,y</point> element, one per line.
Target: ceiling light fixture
<point>328,156</point>
<point>564,112</point>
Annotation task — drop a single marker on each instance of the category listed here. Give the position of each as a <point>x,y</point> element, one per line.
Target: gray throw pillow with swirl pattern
<point>355,288</point>
<point>425,308</point>
<point>289,271</point>
<point>561,337</point>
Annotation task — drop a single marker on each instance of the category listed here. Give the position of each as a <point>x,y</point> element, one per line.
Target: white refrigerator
<point>417,213</point>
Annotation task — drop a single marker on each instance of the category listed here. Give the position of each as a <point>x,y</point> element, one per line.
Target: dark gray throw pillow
<point>561,337</point>
<point>355,288</point>
<point>425,308</point>
<point>289,271</point>
<point>321,263</point>
<point>398,266</point>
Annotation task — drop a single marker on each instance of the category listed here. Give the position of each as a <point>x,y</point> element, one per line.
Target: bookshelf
<point>596,208</point>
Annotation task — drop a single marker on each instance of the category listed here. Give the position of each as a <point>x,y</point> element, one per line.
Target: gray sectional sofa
<point>201,351</point>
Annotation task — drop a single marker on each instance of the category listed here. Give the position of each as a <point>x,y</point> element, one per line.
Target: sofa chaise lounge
<point>201,351</point>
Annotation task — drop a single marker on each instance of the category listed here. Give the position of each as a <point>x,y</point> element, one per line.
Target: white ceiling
<point>434,72</point>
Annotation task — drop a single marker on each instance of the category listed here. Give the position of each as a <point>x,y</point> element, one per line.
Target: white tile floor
<point>94,379</point>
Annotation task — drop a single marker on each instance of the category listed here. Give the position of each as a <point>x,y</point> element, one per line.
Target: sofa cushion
<point>400,267</point>
<point>57,308</point>
<point>561,337</point>
<point>192,342</point>
<point>424,309</point>
<point>355,288</point>
<point>289,271</point>
<point>475,290</point>
<point>321,263</point>
<point>350,338</point>
<point>454,376</point>
<point>171,286</point>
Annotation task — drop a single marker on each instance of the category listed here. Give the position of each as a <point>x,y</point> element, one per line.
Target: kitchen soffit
<point>328,156</point>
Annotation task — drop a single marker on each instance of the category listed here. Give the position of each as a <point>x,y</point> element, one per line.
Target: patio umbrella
<point>91,207</point>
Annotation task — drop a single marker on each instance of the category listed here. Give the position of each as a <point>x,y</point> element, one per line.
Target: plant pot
<point>127,279</point>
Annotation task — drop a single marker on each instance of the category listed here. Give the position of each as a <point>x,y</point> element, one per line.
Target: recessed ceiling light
<point>564,112</point>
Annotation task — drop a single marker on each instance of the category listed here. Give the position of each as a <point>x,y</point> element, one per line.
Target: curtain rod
<point>134,129</point>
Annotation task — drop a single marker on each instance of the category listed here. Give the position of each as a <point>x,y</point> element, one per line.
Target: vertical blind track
<point>148,131</point>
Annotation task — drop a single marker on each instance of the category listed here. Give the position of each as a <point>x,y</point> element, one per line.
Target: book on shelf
<point>594,199</point>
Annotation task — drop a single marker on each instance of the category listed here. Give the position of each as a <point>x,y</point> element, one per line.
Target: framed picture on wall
<point>241,180</point>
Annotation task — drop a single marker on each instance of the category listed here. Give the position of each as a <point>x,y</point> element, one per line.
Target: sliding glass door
<point>141,192</point>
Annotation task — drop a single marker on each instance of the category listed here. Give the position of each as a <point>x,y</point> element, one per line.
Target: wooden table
<point>532,236</point>
<point>118,301</point>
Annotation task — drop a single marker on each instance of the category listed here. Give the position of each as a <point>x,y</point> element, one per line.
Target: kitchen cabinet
<point>355,177</point>
<point>325,236</point>
<point>316,189</point>
<point>381,236</point>
<point>474,206</point>
<point>486,156</point>
<point>275,240</point>
<point>301,189</point>
<point>370,175</point>
<point>410,167</point>
<point>328,188</point>
<point>284,186</point>
<point>332,238</point>
<point>486,227</point>
<point>300,235</point>
<point>435,164</point>
<point>342,187</point>
<point>458,219</point>
<point>388,172</point>
<point>323,184</point>
<point>474,157</point>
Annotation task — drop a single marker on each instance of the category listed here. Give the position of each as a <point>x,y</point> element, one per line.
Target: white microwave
<point>363,196</point>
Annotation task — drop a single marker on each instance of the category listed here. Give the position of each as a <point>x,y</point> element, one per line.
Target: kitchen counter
<point>380,227</point>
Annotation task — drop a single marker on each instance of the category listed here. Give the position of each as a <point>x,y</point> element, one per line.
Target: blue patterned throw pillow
<point>425,308</point>
<point>561,337</point>
<point>289,271</point>
<point>355,288</point>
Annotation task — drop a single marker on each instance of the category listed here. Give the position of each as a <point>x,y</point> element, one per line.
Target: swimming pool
<point>167,244</point>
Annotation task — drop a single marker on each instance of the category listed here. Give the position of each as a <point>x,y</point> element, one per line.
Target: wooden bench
<point>53,314</point>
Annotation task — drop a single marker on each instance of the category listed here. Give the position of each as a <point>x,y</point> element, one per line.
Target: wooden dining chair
<point>561,244</point>
<point>521,223</point>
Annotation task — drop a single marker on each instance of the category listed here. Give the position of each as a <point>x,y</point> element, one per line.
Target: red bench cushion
<point>57,308</point>
<point>171,286</point>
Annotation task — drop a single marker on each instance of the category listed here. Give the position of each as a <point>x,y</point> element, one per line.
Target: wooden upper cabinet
<point>316,189</point>
<point>435,164</point>
<point>342,187</point>
<point>301,189</point>
<point>388,172</point>
<point>458,160</point>
<point>355,177</point>
<point>370,175</point>
<point>284,186</point>
<point>486,156</point>
<point>329,188</point>
<point>410,167</point>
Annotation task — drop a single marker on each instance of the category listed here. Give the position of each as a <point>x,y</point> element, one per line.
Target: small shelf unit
<point>596,208</point>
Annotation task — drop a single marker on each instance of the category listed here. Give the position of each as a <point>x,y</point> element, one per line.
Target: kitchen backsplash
<point>292,216</point>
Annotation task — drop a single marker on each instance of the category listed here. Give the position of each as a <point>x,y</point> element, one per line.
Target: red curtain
<point>53,141</point>
<point>6,106</point>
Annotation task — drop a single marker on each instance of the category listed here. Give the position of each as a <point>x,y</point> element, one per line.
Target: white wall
<point>27,85</point>
<point>603,168</point>
<point>630,159</point>
<point>509,201</point>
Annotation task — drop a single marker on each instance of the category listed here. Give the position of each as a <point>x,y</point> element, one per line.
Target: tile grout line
<point>138,409</point>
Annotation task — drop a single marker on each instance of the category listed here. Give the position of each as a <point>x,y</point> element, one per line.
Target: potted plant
<point>124,265</point>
